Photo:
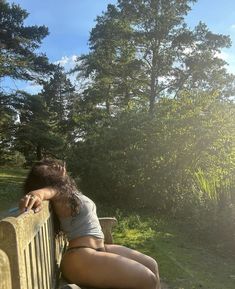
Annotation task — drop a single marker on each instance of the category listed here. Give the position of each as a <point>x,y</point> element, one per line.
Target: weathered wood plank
<point>107,225</point>
<point>8,244</point>
<point>5,273</point>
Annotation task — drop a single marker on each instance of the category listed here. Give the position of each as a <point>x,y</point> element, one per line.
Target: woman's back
<point>83,223</point>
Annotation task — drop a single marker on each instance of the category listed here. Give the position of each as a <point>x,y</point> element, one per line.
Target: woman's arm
<point>33,200</point>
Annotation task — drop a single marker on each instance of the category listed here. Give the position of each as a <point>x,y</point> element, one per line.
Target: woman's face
<point>55,169</point>
<point>47,171</point>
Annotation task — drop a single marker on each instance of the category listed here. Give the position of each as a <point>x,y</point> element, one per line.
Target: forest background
<point>149,123</point>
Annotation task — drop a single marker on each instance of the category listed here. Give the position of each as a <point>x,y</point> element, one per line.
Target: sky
<point>70,22</point>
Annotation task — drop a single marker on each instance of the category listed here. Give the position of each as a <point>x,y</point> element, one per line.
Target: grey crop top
<point>85,223</point>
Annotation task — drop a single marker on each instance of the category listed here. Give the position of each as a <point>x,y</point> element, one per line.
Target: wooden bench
<point>30,251</point>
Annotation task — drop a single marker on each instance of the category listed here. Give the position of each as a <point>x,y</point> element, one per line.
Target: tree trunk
<point>153,77</point>
<point>39,152</point>
<point>107,101</point>
<point>126,96</point>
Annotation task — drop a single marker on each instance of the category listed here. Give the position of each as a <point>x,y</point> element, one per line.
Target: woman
<point>87,261</point>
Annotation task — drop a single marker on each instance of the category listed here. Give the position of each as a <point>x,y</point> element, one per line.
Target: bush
<point>152,162</point>
<point>13,158</point>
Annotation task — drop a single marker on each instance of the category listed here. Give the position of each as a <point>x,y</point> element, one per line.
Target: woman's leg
<point>106,270</point>
<point>147,261</point>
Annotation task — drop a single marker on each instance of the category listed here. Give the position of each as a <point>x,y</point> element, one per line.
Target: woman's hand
<point>31,201</point>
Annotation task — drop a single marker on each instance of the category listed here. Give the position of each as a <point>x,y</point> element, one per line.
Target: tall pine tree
<point>144,50</point>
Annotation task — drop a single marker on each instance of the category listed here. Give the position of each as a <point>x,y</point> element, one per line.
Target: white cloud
<point>68,62</point>
<point>232,26</point>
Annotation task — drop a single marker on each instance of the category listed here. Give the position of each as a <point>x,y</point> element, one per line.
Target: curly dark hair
<point>44,174</point>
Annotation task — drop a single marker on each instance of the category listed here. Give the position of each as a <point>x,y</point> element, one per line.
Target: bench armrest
<point>107,224</point>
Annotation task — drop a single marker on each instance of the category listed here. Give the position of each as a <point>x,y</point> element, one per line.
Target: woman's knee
<point>153,266</point>
<point>152,281</point>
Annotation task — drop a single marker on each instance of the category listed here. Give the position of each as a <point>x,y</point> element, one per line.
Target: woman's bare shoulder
<point>62,206</point>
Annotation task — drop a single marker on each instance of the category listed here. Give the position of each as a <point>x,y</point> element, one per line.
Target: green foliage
<point>14,159</point>
<point>58,94</point>
<point>142,51</point>
<point>45,120</point>
<point>208,187</point>
<point>112,67</point>
<point>59,97</point>
<point>18,43</point>
<point>7,126</point>
<point>36,135</point>
<point>18,60</point>
<point>11,181</point>
<point>178,162</point>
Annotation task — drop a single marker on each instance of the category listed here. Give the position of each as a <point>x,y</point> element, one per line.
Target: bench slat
<point>33,264</point>
<point>8,241</point>
<point>45,252</point>
<point>28,268</point>
<point>5,275</point>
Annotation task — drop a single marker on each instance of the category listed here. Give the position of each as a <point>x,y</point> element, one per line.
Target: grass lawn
<point>183,263</point>
<point>11,180</point>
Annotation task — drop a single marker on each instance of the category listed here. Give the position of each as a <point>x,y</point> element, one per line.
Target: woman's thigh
<point>147,261</point>
<point>106,270</point>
